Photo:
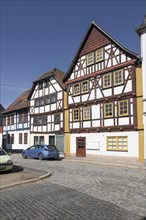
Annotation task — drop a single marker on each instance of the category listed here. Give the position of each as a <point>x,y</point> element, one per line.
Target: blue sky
<point>38,35</point>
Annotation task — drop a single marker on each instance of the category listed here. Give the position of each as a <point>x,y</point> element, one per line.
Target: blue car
<point>41,151</point>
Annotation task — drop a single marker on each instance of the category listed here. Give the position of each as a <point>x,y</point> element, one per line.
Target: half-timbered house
<point>47,110</point>
<point>105,98</point>
<point>16,124</point>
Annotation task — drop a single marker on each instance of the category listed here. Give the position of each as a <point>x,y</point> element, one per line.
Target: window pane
<point>107,81</point>
<point>76,89</point>
<point>90,58</point>
<point>99,55</point>
<point>75,114</point>
<point>85,87</point>
<point>86,113</point>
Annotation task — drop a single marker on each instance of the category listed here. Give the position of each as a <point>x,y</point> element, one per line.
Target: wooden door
<point>81,146</point>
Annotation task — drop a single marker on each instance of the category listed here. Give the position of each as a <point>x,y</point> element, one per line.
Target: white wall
<point>96,144</point>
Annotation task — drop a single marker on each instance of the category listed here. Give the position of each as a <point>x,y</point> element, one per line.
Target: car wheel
<point>41,156</point>
<point>24,156</point>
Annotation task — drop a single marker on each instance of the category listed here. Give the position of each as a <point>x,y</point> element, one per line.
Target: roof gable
<point>20,103</point>
<point>95,38</point>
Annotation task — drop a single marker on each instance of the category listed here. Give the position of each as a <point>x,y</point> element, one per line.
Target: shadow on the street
<point>15,169</point>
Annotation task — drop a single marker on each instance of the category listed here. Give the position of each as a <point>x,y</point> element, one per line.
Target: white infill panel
<point>124,121</point>
<point>118,90</point>
<point>86,124</point>
<point>76,125</point>
<point>128,87</point>
<point>96,123</point>
<point>107,92</point>
<point>109,122</point>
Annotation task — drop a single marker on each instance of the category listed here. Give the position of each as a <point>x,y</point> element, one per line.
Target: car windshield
<point>2,152</point>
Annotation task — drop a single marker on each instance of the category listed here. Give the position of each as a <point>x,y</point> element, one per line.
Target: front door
<point>81,146</point>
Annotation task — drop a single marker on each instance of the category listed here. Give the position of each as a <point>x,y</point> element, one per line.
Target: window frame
<point>103,81</point>
<point>86,81</point>
<point>109,116</point>
<point>122,77</point>
<point>73,114</point>
<point>117,143</point>
<point>57,118</point>
<point>88,62</point>
<point>119,111</point>
<point>74,93</point>
<point>100,59</point>
<point>89,113</point>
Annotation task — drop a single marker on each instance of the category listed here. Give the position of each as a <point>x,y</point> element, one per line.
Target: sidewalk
<point>109,160</point>
<point>21,175</point>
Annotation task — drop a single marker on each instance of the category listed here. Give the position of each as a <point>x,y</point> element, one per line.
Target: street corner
<point>20,175</point>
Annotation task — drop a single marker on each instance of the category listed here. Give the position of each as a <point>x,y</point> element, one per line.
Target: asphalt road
<point>76,191</point>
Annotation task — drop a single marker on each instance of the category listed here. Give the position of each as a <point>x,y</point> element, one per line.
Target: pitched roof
<point>58,75</point>
<point>1,108</point>
<point>142,27</point>
<point>20,103</point>
<point>93,25</point>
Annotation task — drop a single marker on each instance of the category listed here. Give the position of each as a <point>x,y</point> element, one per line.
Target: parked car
<point>41,151</point>
<point>5,161</point>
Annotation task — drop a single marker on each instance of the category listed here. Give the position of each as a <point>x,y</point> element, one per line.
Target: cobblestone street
<point>77,190</point>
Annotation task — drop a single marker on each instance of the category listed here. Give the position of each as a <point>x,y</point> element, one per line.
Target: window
<point>52,140</point>
<point>48,100</point>
<point>12,138</point>
<point>76,114</point>
<point>86,113</point>
<point>37,103</point>
<point>40,120</point>
<point>53,98</point>
<point>76,89</point>
<point>36,141</point>
<point>108,110</point>
<point>8,120</point>
<point>41,102</point>
<point>85,87</point>
<point>25,138</point>
<point>41,140</point>
<point>90,58</point>
<point>123,108</point>
<point>57,118</point>
<point>12,120</point>
<point>107,80</point>
<point>117,143</point>
<point>118,77</point>
<point>20,138</point>
<point>25,117</point>
<point>46,83</point>
<point>99,55</point>
<point>4,121</point>
<point>41,85</point>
